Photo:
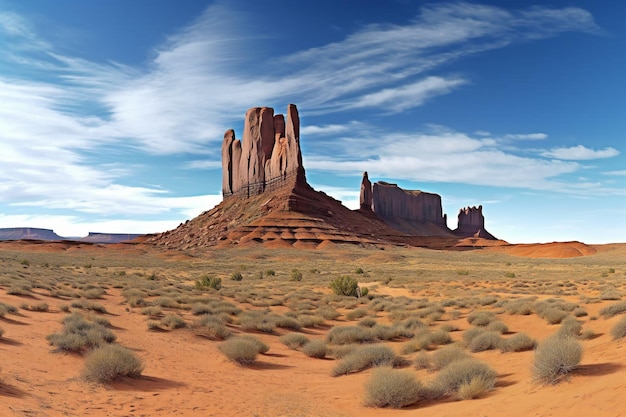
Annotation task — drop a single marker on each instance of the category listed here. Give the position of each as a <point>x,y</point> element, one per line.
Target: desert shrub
<point>242,350</point>
<point>618,330</point>
<point>364,291</point>
<point>7,309</point>
<point>440,337</point>
<point>154,325</point>
<point>448,355</point>
<point>173,321</point>
<point>344,285</point>
<point>472,333</point>
<point>285,322</point>
<point>236,276</point>
<point>210,327</point>
<point>480,318</point>
<point>518,343</point>
<point>79,334</point>
<point>294,340</point>
<point>448,327</point>
<point>570,327</point>
<point>270,273</point>
<point>579,312</point>
<point>611,294</point>
<point>201,308</point>
<point>20,289</point>
<point>553,315</point>
<point>497,326</point>
<point>94,293</point>
<point>364,357</point>
<point>367,322</point>
<point>296,275</point>
<point>388,387</point>
<point>110,362</point>
<point>422,361</point>
<point>413,323</point>
<point>343,335</point>
<point>88,305</point>
<point>152,311</point>
<point>464,377</point>
<point>258,320</point>
<point>487,300</point>
<point>555,357</point>
<point>1,332</point>
<point>315,349</point>
<point>341,351</point>
<point>357,313</point>
<point>613,309</point>
<point>35,307</point>
<point>359,271</point>
<point>209,281</point>
<point>486,341</point>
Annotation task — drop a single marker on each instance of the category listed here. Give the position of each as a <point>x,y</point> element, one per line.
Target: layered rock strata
<point>268,156</point>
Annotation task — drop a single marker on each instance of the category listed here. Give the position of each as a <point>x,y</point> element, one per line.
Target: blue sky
<point>112,112</point>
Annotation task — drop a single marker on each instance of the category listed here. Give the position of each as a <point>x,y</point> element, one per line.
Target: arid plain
<point>420,302</point>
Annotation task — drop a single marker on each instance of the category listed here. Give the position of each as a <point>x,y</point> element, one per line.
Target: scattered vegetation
<point>556,357</point>
<point>111,362</point>
<point>344,285</point>
<point>388,387</point>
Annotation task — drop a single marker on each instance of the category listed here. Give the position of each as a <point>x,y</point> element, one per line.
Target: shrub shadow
<point>10,342</point>
<point>11,321</point>
<point>145,383</point>
<point>598,369</point>
<point>260,365</point>
<point>10,391</point>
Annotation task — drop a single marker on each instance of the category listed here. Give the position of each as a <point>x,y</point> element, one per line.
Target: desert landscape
<point>280,301</point>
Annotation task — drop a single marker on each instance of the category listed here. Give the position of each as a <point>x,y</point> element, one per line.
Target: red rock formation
<point>472,223</point>
<point>268,156</point>
<point>365,198</point>
<point>390,201</point>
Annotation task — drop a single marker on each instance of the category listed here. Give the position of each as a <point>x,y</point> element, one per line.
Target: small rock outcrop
<point>471,223</point>
<point>365,198</point>
<point>267,158</point>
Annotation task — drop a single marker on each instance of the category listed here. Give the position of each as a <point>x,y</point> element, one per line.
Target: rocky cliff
<point>471,223</point>
<point>267,158</point>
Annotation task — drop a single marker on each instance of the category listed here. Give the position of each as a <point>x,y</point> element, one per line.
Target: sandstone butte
<point>267,200</point>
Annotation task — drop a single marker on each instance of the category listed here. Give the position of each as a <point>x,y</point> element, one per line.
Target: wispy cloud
<point>526,136</point>
<point>579,153</point>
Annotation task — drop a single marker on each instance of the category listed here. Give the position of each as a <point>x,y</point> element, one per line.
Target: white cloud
<point>332,129</point>
<point>527,136</point>
<point>580,152</point>
<point>618,173</point>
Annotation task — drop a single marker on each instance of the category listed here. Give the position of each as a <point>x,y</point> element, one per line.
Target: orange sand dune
<point>547,250</point>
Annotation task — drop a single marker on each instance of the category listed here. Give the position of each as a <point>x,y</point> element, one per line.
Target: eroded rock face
<point>365,198</point>
<point>471,223</point>
<point>392,202</point>
<point>267,157</point>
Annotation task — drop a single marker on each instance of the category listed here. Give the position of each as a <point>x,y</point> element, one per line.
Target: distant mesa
<point>471,223</point>
<point>268,201</point>
<point>33,233</point>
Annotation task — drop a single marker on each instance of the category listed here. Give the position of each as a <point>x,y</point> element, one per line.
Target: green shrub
<point>110,362</point>
<point>344,285</point>
<point>80,334</point>
<point>364,291</point>
<point>555,358</point>
<point>294,340</point>
<point>518,343</point>
<point>458,377</point>
<point>209,281</point>
<point>618,330</point>
<point>613,309</point>
<point>236,276</point>
<point>364,357</point>
<point>296,275</point>
<point>389,387</point>
<point>315,349</point>
<point>242,350</point>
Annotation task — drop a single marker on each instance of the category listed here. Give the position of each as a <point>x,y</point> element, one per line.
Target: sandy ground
<point>186,375</point>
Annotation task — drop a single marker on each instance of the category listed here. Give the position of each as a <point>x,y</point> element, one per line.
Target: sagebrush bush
<point>448,355</point>
<point>211,327</point>
<point>294,340</point>
<point>315,349</point>
<point>570,327</point>
<point>613,309</point>
<point>344,285</point>
<point>328,313</point>
<point>498,326</point>
<point>472,333</point>
<point>296,275</point>
<point>365,357</point>
<point>367,322</point>
<point>518,343</point>
<point>480,318</point>
<point>173,321</point>
<point>79,334</point>
<point>485,341</point>
<point>454,378</point>
<point>110,362</point>
<point>357,313</point>
<point>555,357</point>
<point>242,350</point>
<point>343,335</point>
<point>553,315</point>
<point>618,331</point>
<point>388,387</point>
